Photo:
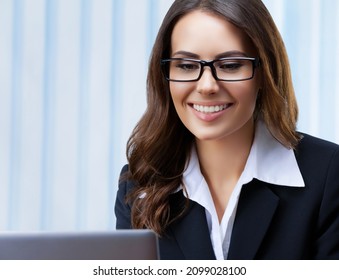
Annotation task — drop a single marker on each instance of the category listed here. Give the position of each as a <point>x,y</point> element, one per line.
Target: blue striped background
<point>48,120</point>
<point>16,116</point>
<point>116,120</point>
<point>72,87</point>
<point>84,112</point>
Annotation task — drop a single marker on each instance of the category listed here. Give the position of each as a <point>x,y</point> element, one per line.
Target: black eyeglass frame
<point>210,63</point>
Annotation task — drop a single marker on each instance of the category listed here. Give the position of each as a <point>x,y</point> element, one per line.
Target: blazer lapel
<point>256,207</point>
<point>192,235</point>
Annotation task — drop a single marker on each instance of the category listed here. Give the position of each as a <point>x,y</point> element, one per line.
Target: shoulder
<point>313,148</point>
<point>122,208</point>
<point>125,183</point>
<point>314,142</point>
<point>317,158</point>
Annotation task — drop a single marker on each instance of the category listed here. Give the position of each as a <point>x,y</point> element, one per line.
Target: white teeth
<point>209,109</point>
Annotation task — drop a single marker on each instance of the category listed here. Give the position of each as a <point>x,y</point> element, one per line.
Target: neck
<point>226,157</point>
<point>223,161</point>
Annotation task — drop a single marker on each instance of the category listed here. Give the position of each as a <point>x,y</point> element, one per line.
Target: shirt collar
<point>272,162</point>
<point>269,161</point>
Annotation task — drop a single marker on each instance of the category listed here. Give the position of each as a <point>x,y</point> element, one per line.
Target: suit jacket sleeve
<point>328,227</point>
<point>122,209</point>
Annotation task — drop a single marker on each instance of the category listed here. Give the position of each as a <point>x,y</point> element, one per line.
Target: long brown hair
<point>160,145</point>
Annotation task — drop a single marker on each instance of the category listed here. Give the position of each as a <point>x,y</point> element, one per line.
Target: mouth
<point>210,109</point>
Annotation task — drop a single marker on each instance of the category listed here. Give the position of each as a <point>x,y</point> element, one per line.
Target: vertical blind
<point>72,87</point>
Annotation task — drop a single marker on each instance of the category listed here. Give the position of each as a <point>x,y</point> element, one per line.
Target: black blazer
<point>271,222</point>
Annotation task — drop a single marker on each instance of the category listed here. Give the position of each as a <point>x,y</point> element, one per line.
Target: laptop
<point>110,245</point>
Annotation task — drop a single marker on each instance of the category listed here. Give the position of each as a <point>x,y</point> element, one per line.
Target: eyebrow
<point>186,54</point>
<point>232,53</point>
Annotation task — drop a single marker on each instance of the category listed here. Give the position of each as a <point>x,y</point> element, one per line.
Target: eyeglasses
<point>230,69</point>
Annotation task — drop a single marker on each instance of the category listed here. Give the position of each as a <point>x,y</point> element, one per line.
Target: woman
<point>216,166</point>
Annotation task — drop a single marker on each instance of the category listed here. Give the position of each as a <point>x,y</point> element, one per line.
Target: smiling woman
<point>207,36</point>
<point>216,166</point>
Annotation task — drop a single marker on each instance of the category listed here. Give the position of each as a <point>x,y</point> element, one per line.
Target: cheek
<point>179,92</point>
<point>247,94</point>
<point>178,88</point>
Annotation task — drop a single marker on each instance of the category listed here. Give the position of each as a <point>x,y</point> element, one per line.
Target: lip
<point>205,114</point>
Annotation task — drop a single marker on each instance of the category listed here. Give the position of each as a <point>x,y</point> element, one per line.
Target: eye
<point>230,65</point>
<point>185,65</point>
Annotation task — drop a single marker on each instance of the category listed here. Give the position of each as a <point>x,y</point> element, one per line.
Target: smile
<point>210,109</point>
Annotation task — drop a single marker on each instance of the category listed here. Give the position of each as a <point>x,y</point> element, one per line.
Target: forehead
<point>207,35</point>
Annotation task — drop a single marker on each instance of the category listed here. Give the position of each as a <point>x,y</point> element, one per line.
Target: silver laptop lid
<point>114,245</point>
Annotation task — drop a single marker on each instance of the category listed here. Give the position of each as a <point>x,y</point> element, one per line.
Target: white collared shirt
<point>268,161</point>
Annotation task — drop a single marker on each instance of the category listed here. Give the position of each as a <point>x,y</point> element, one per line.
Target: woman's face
<point>210,109</point>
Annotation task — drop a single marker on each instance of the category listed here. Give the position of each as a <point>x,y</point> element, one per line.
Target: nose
<point>207,84</point>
